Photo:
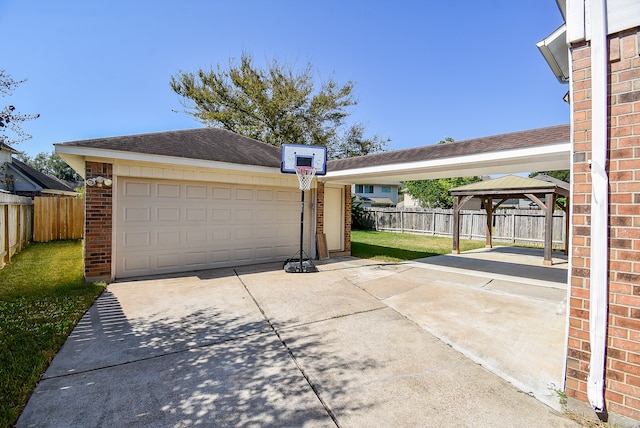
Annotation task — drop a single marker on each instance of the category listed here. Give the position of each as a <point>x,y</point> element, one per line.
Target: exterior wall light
<point>99,181</point>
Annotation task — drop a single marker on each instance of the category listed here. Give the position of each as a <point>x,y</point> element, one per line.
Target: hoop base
<point>299,264</point>
<point>293,266</point>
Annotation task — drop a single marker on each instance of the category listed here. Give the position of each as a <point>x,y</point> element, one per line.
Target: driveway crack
<point>291,355</point>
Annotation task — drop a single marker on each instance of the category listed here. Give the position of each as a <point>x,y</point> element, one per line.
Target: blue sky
<point>423,70</point>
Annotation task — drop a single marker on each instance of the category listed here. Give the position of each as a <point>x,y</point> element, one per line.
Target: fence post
<point>433,222</point>
<point>7,239</point>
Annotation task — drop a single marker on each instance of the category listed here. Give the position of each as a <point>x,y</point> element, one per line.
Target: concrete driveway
<point>357,344</point>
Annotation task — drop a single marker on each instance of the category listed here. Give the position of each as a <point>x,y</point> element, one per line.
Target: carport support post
<point>549,202</point>
<point>456,225</point>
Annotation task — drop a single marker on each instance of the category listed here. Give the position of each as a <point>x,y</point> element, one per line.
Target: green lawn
<point>398,247</point>
<point>42,297</point>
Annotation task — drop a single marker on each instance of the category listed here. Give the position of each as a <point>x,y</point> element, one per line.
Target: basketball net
<point>305,175</point>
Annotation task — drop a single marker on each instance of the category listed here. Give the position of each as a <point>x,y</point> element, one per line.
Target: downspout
<point>598,288</point>
<point>569,213</point>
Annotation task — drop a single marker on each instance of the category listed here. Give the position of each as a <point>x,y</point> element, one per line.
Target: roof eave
<point>76,156</point>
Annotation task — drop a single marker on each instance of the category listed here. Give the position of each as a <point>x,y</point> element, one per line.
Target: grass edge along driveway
<point>43,295</point>
<point>398,247</point>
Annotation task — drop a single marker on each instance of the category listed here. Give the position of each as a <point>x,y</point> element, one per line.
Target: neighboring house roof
<point>46,182</point>
<point>209,144</point>
<point>8,148</point>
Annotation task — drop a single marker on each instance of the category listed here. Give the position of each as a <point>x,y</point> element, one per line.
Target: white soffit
<point>545,158</point>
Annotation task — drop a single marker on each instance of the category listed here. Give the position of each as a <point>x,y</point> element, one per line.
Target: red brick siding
<point>98,224</point>
<point>623,343</point>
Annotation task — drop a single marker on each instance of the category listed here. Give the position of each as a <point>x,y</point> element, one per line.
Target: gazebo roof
<point>513,184</point>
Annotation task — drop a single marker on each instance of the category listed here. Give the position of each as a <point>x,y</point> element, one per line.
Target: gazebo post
<point>488,205</point>
<point>549,202</point>
<point>456,225</point>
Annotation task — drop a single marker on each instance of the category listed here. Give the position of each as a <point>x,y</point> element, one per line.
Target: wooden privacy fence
<point>16,225</point>
<point>525,227</point>
<point>57,218</point>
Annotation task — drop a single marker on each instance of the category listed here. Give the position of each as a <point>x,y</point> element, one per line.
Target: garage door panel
<point>242,235</point>
<point>223,193</point>
<point>195,259</point>
<point>167,261</point>
<point>243,254</point>
<point>136,214</point>
<point>196,236</point>
<point>168,190</point>
<point>196,214</point>
<point>168,214</point>
<point>137,239</point>
<point>137,264</point>
<point>244,194</point>
<point>221,256</point>
<point>167,238</point>
<point>243,214</point>
<point>137,189</point>
<point>167,227</point>
<point>196,192</point>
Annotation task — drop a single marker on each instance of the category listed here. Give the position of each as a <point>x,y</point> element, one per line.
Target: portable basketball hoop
<point>306,162</point>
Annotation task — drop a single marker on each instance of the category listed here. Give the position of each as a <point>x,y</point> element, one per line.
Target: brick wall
<point>622,388</point>
<point>98,223</point>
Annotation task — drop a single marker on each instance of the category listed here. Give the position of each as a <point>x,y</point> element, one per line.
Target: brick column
<point>319,208</point>
<point>98,224</point>
<point>347,219</point>
<point>622,378</point>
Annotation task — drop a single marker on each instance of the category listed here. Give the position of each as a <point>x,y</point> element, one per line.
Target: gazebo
<point>542,190</point>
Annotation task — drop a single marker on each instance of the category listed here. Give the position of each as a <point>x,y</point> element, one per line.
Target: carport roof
<point>541,149</point>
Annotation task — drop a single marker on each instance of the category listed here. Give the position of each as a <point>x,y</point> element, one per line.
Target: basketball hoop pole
<point>301,226</point>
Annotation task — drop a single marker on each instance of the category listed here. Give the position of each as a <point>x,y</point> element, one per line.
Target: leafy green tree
<point>353,143</point>
<point>10,119</point>
<point>276,105</point>
<point>435,193</point>
<point>52,164</point>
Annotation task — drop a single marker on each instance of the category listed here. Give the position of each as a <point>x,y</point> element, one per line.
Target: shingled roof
<point>47,182</point>
<point>211,144</point>
<point>495,143</point>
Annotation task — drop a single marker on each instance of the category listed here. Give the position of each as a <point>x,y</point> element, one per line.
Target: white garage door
<point>167,226</point>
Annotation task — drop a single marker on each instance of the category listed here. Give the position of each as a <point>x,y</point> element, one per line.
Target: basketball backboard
<point>294,155</point>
